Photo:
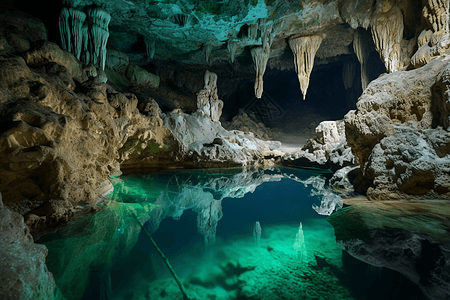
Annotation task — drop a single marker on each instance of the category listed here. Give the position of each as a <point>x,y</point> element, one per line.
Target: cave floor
<point>291,143</point>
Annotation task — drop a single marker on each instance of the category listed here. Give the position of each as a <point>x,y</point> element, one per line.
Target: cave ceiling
<point>185,30</point>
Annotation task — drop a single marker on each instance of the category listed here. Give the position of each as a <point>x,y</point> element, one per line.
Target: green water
<point>204,222</point>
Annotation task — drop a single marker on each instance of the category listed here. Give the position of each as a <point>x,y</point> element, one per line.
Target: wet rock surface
<point>411,238</point>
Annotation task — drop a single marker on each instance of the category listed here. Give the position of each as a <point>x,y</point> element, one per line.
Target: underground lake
<point>228,234</point>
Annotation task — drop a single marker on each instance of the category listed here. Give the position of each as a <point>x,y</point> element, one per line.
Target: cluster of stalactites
<point>85,34</point>
<point>260,57</point>
<point>436,13</point>
<point>362,43</point>
<point>304,49</point>
<point>387,33</point>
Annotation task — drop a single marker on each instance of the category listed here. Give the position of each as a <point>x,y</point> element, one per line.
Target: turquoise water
<point>228,234</point>
<point>204,222</point>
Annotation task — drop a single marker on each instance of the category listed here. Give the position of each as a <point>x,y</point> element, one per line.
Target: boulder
<point>400,130</point>
<point>24,273</point>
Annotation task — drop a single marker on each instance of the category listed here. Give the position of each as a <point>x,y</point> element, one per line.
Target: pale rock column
<point>304,49</point>
<point>208,102</point>
<point>362,43</point>
<point>387,33</point>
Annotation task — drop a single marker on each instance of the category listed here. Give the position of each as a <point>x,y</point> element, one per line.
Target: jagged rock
<point>43,52</point>
<point>243,122</point>
<point>141,78</point>
<point>24,274</point>
<point>396,136</point>
<point>328,150</point>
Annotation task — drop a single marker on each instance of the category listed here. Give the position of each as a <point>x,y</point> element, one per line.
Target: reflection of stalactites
<point>299,245</point>
<point>304,49</point>
<point>387,32</point>
<point>207,220</point>
<point>257,232</point>
<point>362,43</point>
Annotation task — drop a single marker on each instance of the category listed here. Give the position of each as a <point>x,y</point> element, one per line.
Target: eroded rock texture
<point>399,133</point>
<point>24,274</point>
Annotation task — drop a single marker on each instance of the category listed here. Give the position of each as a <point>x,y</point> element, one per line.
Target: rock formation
<point>85,34</point>
<point>304,49</point>
<point>387,32</point>
<point>24,274</point>
<point>362,43</point>
<point>208,102</point>
<point>434,40</point>
<point>400,133</point>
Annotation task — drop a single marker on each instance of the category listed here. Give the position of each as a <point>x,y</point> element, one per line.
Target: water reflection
<point>204,191</point>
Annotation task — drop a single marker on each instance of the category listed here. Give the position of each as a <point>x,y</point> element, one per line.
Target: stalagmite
<point>150,46</point>
<point>208,102</point>
<point>207,49</point>
<point>98,20</point>
<point>362,43</point>
<point>232,47</point>
<point>253,31</point>
<point>387,32</point>
<point>348,73</point>
<point>304,49</point>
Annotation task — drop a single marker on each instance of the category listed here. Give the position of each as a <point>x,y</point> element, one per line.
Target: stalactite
<point>150,47</point>
<point>253,31</point>
<point>98,20</point>
<point>207,49</point>
<point>64,28</point>
<point>387,32</point>
<point>304,49</point>
<point>77,21</point>
<point>348,73</point>
<point>232,47</point>
<point>85,55</point>
<point>260,57</point>
<point>436,13</point>
<point>362,43</point>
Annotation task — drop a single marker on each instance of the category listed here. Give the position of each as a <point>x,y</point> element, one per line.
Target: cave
<point>257,149</point>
